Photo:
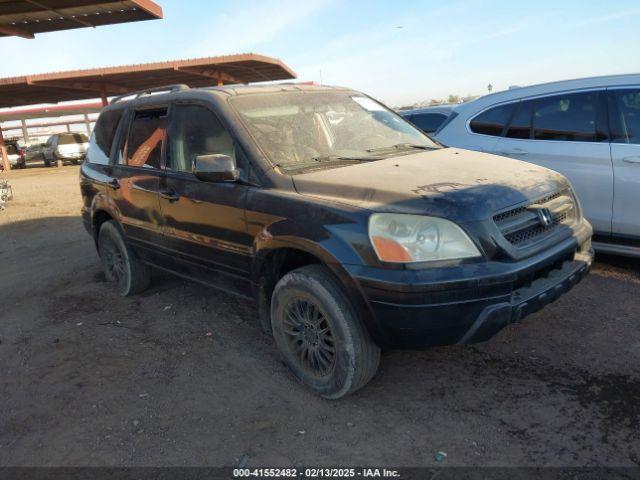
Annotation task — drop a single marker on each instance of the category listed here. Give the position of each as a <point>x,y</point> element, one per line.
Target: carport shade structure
<point>109,81</point>
<point>26,18</point>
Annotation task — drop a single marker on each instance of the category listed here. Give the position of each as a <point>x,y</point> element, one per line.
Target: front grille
<point>523,225</point>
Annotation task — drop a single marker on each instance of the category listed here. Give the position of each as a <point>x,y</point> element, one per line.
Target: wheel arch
<point>285,255</point>
<point>102,210</point>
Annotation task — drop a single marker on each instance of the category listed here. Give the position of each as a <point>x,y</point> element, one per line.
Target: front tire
<point>319,335</point>
<point>121,265</point>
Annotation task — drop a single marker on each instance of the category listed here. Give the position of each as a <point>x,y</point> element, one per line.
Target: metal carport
<point>26,18</point>
<point>110,81</point>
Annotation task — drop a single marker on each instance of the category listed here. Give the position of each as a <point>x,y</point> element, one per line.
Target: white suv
<point>587,129</point>
<point>66,147</point>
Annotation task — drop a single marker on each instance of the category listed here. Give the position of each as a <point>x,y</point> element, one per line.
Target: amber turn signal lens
<point>390,251</point>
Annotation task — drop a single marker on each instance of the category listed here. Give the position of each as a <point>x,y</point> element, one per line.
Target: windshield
<point>304,130</point>
<point>71,138</point>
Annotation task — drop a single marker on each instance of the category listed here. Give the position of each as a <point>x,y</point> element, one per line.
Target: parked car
<point>34,153</point>
<point>349,227</point>
<point>66,147</point>
<point>429,119</point>
<point>15,154</point>
<point>587,129</point>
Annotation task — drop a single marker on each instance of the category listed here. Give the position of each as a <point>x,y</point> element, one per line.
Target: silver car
<point>65,147</point>
<point>587,129</point>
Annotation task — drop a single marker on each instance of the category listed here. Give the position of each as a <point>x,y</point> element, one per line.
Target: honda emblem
<point>545,217</point>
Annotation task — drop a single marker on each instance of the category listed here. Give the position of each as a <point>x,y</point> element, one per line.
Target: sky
<point>400,52</point>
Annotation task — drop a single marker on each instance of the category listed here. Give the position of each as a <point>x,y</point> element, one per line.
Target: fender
<point>331,250</point>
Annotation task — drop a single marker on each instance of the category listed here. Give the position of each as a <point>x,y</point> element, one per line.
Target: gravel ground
<point>182,375</point>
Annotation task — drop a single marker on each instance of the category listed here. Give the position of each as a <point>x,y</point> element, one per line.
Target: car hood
<point>453,183</point>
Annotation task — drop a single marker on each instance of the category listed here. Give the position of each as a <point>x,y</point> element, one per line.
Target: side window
<point>195,130</point>
<point>429,122</point>
<point>567,117</point>
<point>625,116</point>
<point>102,137</point>
<point>146,134</point>
<point>492,121</point>
<point>520,126</point>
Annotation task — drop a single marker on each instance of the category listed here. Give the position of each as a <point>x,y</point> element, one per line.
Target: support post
<point>87,124</point>
<point>68,128</point>
<point>25,132</point>
<point>3,153</point>
<point>103,97</point>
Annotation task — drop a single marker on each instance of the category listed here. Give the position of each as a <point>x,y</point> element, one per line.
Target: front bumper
<point>468,303</point>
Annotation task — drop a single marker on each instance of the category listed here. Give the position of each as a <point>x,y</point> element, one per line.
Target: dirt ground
<point>90,378</point>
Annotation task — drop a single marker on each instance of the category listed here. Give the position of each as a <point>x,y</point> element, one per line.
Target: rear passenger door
<point>568,133</point>
<point>205,231</point>
<point>625,151</point>
<point>136,179</point>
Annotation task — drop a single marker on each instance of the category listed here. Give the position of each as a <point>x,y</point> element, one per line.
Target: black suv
<point>348,226</point>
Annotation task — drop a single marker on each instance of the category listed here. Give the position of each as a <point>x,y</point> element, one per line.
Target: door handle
<point>114,184</point>
<point>633,159</point>
<point>170,195</point>
<point>515,151</point>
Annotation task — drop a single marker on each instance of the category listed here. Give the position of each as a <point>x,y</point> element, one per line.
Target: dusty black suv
<point>349,227</point>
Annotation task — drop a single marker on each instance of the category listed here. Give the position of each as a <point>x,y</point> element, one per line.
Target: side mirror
<point>215,167</point>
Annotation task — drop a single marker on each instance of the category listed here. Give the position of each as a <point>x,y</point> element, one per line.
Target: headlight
<point>401,238</point>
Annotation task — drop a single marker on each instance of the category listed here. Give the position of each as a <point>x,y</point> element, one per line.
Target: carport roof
<point>103,82</point>
<point>25,18</point>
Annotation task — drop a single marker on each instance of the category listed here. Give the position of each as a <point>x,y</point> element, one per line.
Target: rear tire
<point>121,265</point>
<point>319,335</point>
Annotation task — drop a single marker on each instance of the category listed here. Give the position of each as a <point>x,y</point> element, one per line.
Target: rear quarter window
<point>492,121</point>
<point>428,122</point>
<point>102,137</point>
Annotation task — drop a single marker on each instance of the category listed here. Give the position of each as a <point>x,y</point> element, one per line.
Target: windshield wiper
<point>333,158</point>
<point>402,146</point>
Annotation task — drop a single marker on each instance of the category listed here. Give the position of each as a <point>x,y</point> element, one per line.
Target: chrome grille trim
<point>521,226</point>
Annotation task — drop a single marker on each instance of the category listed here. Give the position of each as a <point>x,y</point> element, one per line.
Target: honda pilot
<point>350,229</point>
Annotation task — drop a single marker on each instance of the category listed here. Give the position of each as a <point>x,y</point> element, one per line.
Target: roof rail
<point>148,91</point>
